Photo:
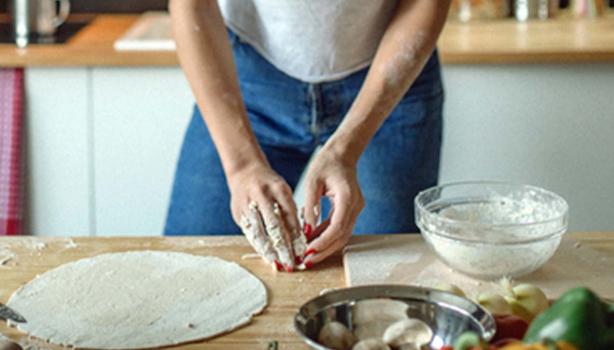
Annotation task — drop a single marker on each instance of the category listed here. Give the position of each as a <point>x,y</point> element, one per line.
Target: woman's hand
<point>333,176</point>
<point>262,205</point>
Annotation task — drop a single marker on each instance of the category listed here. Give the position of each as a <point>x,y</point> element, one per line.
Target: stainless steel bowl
<point>447,314</point>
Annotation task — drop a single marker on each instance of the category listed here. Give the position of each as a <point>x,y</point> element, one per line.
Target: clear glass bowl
<point>489,230</point>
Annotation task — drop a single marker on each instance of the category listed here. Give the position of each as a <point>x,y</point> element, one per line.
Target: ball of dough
<point>371,344</point>
<point>408,331</point>
<point>336,335</point>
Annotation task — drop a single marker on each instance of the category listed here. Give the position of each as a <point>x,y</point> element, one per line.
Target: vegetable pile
<point>578,320</point>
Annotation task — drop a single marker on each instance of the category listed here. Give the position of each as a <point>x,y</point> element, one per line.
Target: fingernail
<point>309,252</point>
<point>308,265</point>
<point>298,260</point>
<point>307,230</point>
<point>278,266</point>
<point>289,268</point>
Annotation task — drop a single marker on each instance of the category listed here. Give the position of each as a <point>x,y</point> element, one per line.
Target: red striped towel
<point>11,152</point>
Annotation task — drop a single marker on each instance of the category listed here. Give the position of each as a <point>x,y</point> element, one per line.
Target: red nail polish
<point>308,230</point>
<point>289,268</point>
<point>308,265</point>
<point>298,260</point>
<point>309,252</point>
<point>278,266</point>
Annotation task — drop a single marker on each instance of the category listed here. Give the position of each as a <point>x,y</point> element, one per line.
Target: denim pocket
<point>416,111</point>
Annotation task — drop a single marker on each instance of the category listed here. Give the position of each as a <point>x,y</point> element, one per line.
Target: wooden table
<point>286,291</point>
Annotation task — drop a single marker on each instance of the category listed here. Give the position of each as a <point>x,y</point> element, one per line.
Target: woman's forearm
<point>404,49</point>
<point>206,57</point>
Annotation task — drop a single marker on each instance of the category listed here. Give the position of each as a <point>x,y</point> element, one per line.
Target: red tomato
<point>509,327</point>
<point>447,347</point>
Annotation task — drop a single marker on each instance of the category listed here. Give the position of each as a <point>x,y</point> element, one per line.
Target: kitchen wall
<point>116,133</point>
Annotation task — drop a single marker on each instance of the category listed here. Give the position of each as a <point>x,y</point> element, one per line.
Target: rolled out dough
<point>141,299</point>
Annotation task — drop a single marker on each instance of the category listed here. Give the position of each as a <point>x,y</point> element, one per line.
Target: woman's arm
<point>258,193</point>
<point>206,58</point>
<point>403,51</point>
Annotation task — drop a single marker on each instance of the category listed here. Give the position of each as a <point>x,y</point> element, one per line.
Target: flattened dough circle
<point>140,299</point>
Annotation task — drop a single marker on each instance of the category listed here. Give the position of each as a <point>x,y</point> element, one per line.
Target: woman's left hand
<point>330,175</point>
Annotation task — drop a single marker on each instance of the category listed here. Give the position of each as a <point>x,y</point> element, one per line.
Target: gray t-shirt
<point>311,40</point>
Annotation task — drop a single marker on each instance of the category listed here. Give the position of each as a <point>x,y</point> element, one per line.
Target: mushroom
<point>379,309</point>
<point>336,335</point>
<point>409,346</point>
<point>408,331</point>
<point>373,329</point>
<point>371,344</point>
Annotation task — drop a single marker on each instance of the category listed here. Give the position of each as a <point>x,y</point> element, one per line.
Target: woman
<point>289,76</point>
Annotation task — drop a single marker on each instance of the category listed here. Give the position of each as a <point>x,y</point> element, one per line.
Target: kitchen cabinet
<point>58,149</point>
<point>102,145</point>
<point>139,117</point>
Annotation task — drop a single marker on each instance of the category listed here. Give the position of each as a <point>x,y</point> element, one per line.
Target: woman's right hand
<point>263,206</point>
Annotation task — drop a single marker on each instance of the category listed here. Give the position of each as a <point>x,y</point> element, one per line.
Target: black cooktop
<point>65,32</point>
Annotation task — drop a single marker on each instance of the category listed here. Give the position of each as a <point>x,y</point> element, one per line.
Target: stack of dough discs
<point>137,300</point>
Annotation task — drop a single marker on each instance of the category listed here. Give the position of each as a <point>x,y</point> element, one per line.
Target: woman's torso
<point>311,40</point>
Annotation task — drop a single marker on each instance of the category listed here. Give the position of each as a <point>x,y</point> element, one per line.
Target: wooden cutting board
<point>407,259</point>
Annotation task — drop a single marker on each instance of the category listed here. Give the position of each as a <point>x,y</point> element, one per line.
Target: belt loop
<point>314,93</point>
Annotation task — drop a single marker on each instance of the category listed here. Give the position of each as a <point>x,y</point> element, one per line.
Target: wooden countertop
<point>287,291</point>
<point>498,41</point>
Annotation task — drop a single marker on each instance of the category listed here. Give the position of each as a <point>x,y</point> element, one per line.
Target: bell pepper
<point>578,317</point>
<point>546,345</point>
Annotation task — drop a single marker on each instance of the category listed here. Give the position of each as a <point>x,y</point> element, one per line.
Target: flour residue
<point>411,52</point>
<point>70,243</point>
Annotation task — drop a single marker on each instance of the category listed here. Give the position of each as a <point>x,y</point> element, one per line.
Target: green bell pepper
<point>579,317</point>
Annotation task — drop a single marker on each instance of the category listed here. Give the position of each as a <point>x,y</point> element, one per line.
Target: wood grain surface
<point>494,42</point>
<point>30,256</point>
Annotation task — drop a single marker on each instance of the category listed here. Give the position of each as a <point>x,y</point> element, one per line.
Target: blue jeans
<point>291,119</point>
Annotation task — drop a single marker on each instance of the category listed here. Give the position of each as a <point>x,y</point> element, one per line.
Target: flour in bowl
<point>497,235</point>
